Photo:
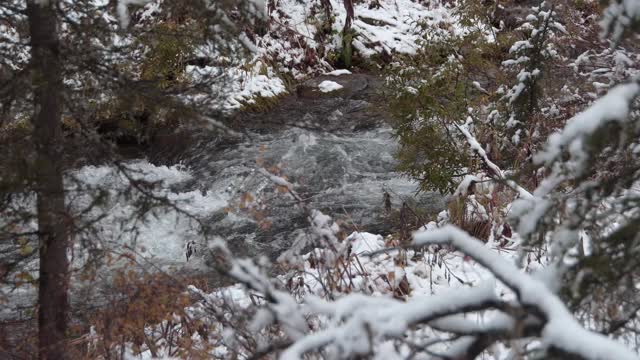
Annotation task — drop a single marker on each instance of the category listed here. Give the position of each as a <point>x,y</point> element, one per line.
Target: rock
<point>374,22</point>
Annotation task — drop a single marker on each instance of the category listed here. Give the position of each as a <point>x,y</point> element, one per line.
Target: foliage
<point>138,302</point>
<point>431,93</point>
<point>168,50</point>
<point>495,75</point>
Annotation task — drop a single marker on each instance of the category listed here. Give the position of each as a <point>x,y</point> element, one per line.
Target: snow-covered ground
<point>373,268</point>
<point>291,46</point>
<point>329,86</point>
<point>160,235</point>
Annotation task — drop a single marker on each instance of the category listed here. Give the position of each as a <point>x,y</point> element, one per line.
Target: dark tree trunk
<point>47,84</point>
<point>347,35</point>
<point>348,6</point>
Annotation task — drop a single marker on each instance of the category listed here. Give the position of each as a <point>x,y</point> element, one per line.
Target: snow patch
<point>329,86</point>
<point>339,72</point>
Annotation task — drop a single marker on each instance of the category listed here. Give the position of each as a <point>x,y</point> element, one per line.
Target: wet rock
<point>352,85</point>
<point>344,110</point>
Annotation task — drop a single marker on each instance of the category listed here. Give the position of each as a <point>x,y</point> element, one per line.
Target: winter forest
<point>320,179</point>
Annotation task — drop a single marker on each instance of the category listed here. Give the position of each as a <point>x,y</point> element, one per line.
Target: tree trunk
<point>347,35</point>
<point>53,234</point>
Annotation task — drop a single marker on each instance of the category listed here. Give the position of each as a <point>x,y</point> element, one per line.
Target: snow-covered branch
<point>618,16</point>
<point>561,331</point>
<point>358,321</point>
<point>613,107</point>
<point>494,171</point>
<point>281,306</point>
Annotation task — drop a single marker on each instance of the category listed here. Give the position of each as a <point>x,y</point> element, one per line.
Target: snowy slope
<point>292,46</point>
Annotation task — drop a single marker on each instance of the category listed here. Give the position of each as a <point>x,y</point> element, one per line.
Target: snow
<point>383,317</point>
<point>329,86</point>
<point>339,72</point>
<point>390,28</point>
<point>346,318</point>
<point>242,86</point>
<point>397,32</point>
<point>363,243</point>
<point>287,47</point>
<point>354,322</point>
<point>290,46</point>
<point>528,212</point>
<point>479,87</point>
<point>618,16</point>
<point>289,43</point>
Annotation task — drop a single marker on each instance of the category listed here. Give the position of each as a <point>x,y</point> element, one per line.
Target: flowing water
<point>336,149</point>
